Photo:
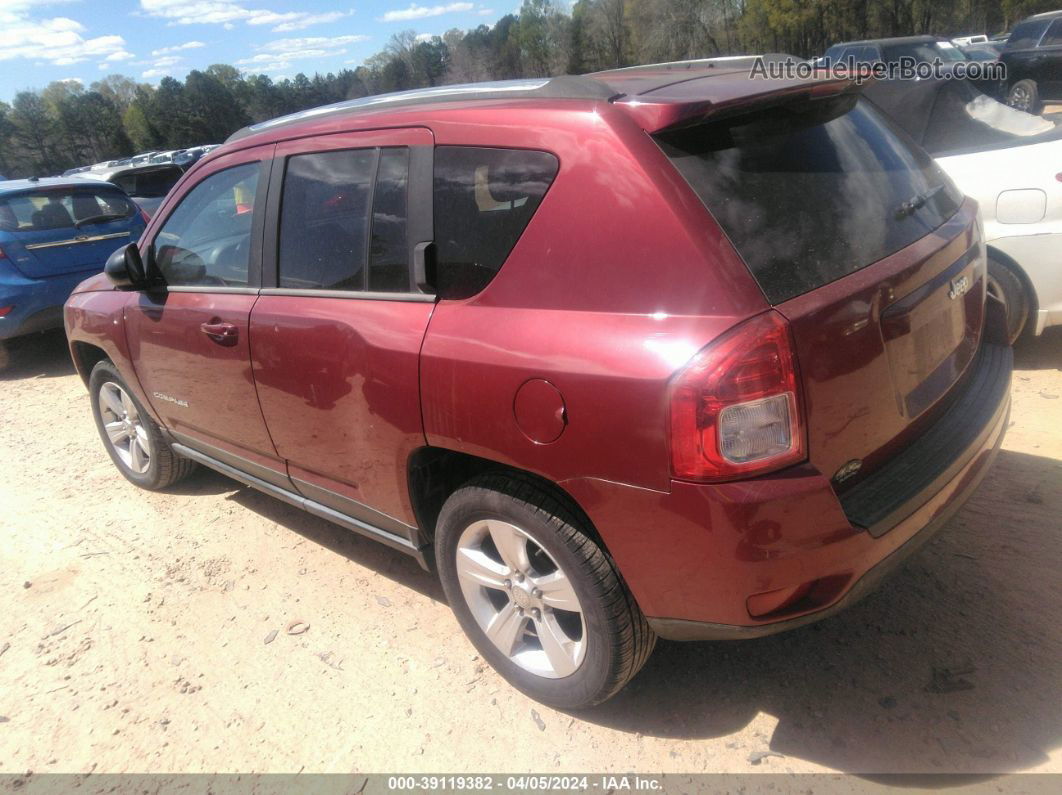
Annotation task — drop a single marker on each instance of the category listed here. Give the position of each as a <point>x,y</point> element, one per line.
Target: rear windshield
<point>62,209</point>
<point>813,191</point>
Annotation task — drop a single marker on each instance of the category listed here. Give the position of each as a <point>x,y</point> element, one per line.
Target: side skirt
<point>418,551</point>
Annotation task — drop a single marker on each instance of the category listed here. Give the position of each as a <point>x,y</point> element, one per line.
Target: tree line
<point>65,124</point>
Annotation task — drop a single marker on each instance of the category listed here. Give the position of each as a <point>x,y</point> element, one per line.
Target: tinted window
<point>149,184</point>
<point>861,54</point>
<point>324,220</point>
<point>207,240</point>
<point>484,198</point>
<point>813,191</point>
<point>1053,37</point>
<point>389,250</point>
<point>924,52</point>
<point>1026,34</point>
<point>61,209</point>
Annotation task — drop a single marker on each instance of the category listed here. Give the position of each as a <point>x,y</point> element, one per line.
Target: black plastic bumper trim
<point>909,480</point>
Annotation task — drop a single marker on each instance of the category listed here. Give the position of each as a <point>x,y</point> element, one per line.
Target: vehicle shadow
<point>391,563</point>
<point>952,666</point>
<point>1040,353</point>
<point>43,355</point>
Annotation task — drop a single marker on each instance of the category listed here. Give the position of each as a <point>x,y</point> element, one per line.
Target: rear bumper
<point>37,304</point>
<point>697,558</point>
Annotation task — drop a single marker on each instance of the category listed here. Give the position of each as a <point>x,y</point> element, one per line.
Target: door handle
<point>222,333</point>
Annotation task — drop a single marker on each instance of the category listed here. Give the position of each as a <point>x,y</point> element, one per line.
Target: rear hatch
<point>864,245</point>
<point>52,231</point>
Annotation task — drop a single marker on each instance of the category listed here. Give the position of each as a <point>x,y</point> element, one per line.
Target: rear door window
<point>343,221</point>
<point>813,191</point>
<point>1026,34</point>
<point>1053,37</point>
<point>484,199</point>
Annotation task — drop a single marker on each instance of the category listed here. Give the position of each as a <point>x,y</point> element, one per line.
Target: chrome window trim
<point>207,288</point>
<point>423,298</point>
<point>76,240</point>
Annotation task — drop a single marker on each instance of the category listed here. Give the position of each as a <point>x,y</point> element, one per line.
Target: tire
<point>1025,95</point>
<point>596,648</point>
<point>149,462</point>
<point>1007,286</point>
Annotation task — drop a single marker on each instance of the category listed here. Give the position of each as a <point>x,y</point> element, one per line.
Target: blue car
<point>54,234</point>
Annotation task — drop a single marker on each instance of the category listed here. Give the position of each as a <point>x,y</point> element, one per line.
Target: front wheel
<point>133,440</point>
<point>537,596</point>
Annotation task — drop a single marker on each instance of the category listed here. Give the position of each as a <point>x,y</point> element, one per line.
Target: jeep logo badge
<point>959,287</point>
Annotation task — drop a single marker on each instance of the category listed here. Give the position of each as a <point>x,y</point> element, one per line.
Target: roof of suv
<point>705,82</point>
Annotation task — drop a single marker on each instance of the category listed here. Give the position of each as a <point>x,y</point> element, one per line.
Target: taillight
<point>145,216</point>
<point>736,407</point>
<point>2,254</point>
<point>6,310</point>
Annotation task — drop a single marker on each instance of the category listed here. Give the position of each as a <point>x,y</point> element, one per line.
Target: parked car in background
<point>1011,162</point>
<point>658,351</point>
<point>923,49</point>
<point>961,41</point>
<point>1033,57</point>
<point>53,234</point>
<point>982,52</point>
<point>147,184</point>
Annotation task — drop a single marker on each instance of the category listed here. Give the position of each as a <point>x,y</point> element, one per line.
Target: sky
<point>84,40</point>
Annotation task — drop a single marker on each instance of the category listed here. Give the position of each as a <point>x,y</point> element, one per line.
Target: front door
<point>189,340</point>
<point>337,330</point>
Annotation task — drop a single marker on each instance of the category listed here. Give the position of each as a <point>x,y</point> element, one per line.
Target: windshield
<point>963,119</point>
<point>812,191</point>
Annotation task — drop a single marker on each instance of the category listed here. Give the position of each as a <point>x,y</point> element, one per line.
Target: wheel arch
<point>434,473</point>
<point>86,356</point>
<point>1010,263</point>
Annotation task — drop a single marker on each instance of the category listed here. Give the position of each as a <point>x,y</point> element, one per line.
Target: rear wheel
<point>1007,286</point>
<point>1024,95</point>
<point>536,595</point>
<point>133,440</point>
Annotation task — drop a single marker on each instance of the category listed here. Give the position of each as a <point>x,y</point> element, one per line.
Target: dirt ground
<point>148,632</point>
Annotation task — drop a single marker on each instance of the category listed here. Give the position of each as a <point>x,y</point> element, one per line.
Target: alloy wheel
<point>124,428</point>
<point>521,598</point>
<point>1020,98</point>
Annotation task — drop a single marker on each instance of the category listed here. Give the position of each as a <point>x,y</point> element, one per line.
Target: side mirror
<point>126,269</point>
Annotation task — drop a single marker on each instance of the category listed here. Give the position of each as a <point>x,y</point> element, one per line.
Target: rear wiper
<point>98,219</point>
<point>916,202</point>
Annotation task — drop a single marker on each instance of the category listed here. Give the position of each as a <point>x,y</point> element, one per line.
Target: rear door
<point>337,331</point>
<point>53,231</point>
<point>865,246</point>
<point>1048,62</point>
<point>189,340</point>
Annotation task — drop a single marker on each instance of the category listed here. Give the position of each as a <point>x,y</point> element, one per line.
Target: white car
<point>1011,163</point>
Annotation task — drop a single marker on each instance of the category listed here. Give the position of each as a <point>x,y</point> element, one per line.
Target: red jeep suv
<point>666,351</point>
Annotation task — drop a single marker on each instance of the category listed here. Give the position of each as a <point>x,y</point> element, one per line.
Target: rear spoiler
<point>676,106</point>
